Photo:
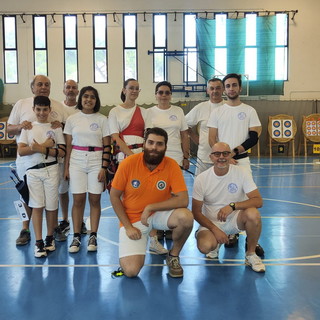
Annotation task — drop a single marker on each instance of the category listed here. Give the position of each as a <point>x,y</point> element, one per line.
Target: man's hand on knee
<point>133,233</point>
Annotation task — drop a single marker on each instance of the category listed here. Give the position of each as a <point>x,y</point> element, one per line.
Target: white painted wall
<point>304,44</point>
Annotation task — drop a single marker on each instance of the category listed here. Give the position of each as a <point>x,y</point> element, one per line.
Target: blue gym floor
<point>79,286</point>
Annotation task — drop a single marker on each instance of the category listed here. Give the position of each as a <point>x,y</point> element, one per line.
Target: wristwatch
<point>232,205</point>
<point>236,151</point>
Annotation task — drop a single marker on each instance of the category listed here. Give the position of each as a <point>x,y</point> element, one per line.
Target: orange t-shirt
<point>141,186</point>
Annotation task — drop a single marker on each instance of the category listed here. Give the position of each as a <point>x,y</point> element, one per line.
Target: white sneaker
<point>156,246</point>
<point>214,254</point>
<point>255,263</point>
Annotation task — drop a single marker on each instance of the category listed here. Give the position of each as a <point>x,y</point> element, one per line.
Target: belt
<point>43,165</point>
<point>241,156</point>
<point>90,149</point>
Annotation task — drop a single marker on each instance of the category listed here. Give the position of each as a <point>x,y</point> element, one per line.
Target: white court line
<point>150,265</point>
<point>285,174</point>
<point>293,202</point>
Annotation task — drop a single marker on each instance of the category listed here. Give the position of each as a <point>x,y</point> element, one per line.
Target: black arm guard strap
<point>251,141</point>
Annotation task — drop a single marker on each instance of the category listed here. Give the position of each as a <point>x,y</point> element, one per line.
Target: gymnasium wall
<point>304,43</point>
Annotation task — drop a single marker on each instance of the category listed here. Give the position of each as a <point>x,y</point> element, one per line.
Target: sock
<point>93,234</point>
<point>78,235</point>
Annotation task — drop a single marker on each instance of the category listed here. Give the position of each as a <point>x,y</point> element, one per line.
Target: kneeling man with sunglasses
<point>225,201</point>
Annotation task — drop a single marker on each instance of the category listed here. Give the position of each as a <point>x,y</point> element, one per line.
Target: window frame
<point>74,48</point>
<point>160,49</point>
<point>127,48</point>
<point>187,50</point>
<point>35,49</point>
<point>98,48</point>
<point>14,49</point>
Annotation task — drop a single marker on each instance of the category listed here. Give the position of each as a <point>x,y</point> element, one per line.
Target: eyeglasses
<point>134,88</point>
<point>219,153</point>
<point>167,93</point>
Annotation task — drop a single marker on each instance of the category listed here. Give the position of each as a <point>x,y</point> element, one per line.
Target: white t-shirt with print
<point>199,116</point>
<point>173,121</point>
<point>218,191</point>
<point>233,123</point>
<point>23,111</point>
<point>70,109</point>
<point>87,129</point>
<point>40,132</point>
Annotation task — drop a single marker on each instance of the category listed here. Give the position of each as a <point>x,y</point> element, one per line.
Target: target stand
<point>311,131</point>
<point>6,140</point>
<point>282,129</point>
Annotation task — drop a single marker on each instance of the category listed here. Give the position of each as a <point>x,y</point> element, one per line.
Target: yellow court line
<point>5,182</point>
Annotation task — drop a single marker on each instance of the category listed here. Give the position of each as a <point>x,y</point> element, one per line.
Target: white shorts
<point>43,187</point>
<point>20,167</point>
<point>63,184</point>
<point>84,170</point>
<point>228,227</point>
<point>128,247</point>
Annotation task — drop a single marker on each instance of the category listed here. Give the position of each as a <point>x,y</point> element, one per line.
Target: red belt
<point>90,149</point>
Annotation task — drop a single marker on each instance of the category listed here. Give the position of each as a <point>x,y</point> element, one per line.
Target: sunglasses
<point>219,153</point>
<point>167,93</point>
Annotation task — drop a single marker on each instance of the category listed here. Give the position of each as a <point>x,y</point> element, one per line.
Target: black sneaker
<point>92,243</point>
<point>59,235</point>
<point>168,234</point>
<point>259,250</point>
<point>160,234</point>
<point>233,240</point>
<point>75,245</point>
<point>23,238</point>
<point>83,228</point>
<point>64,227</point>
<point>49,244</point>
<point>39,250</point>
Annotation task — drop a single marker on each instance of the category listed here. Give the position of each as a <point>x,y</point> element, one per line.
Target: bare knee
<point>182,217</point>
<point>252,215</point>
<point>131,271</point>
<point>131,265</point>
<point>205,246</point>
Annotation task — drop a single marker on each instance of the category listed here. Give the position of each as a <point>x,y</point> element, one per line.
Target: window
<point>40,45</point>
<point>10,49</point>
<point>251,46</point>
<point>190,48</point>
<point>130,46</point>
<point>159,47</point>
<point>281,56</point>
<point>254,46</point>
<point>220,66</point>
<point>70,47</point>
<point>100,48</point>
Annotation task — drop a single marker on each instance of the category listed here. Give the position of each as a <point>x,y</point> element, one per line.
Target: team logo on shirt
<point>53,115</point>
<point>161,185</point>
<point>242,115</point>
<point>173,117</point>
<point>232,188</point>
<point>94,126</point>
<point>135,184</point>
<point>50,134</point>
